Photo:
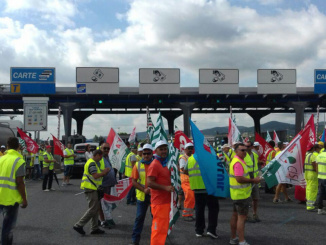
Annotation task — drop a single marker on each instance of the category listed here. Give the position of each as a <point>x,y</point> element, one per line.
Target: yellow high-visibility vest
<point>195,178</point>
<point>51,164</point>
<point>128,166</point>
<point>9,164</point>
<point>321,161</point>
<point>140,195</point>
<point>239,191</point>
<point>86,183</point>
<point>69,160</point>
<point>309,173</point>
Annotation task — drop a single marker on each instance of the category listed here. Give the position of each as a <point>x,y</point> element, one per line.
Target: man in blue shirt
<point>109,181</point>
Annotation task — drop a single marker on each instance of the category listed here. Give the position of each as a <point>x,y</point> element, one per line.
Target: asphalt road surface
<point>50,216</point>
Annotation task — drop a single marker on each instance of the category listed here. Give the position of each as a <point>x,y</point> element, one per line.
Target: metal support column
<point>299,107</point>
<point>256,116</point>
<point>67,109</point>
<point>187,108</point>
<point>170,116</point>
<point>80,117</point>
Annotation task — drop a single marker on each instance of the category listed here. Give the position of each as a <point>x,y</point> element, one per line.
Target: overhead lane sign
<point>276,81</point>
<point>218,81</point>
<point>320,81</point>
<point>97,80</point>
<point>32,80</point>
<point>159,81</point>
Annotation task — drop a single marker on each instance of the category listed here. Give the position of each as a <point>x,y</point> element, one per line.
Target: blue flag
<point>323,136</point>
<point>214,175</point>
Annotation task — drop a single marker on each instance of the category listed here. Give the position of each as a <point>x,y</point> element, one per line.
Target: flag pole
<point>231,112</point>
<point>317,120</point>
<point>147,113</point>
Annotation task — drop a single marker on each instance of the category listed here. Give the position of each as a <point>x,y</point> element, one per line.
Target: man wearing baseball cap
<point>159,180</point>
<point>189,202</point>
<point>139,174</point>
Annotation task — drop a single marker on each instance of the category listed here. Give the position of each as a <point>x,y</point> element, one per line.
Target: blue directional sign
<point>32,80</point>
<point>81,88</point>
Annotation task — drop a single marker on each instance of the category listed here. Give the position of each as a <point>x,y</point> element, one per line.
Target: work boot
<point>97,232</point>
<point>79,229</point>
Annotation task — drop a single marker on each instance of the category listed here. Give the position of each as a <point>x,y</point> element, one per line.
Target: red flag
<point>132,137</point>
<point>180,140</point>
<point>275,138</point>
<point>58,147</point>
<point>119,191</point>
<point>312,132</point>
<point>264,148</point>
<point>31,145</point>
<point>246,140</point>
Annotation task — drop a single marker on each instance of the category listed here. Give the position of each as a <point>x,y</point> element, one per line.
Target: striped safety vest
<point>128,166</point>
<point>48,165</point>
<point>239,191</point>
<point>321,161</point>
<point>9,164</point>
<point>86,183</point>
<point>310,173</point>
<point>140,195</point>
<point>69,160</point>
<point>195,179</point>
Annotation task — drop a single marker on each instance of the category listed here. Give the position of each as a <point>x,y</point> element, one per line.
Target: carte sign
<point>97,80</point>
<point>159,81</point>
<point>32,80</point>
<point>35,113</point>
<point>320,81</point>
<point>276,81</point>
<point>218,81</point>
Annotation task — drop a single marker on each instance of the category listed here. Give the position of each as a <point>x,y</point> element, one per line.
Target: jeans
<point>202,199</point>
<point>10,214</point>
<point>131,197</point>
<point>140,218</point>
<point>45,180</point>
<point>37,171</point>
<point>321,193</point>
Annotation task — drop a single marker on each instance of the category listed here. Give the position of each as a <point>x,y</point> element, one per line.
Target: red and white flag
<point>119,191</point>
<point>132,137</point>
<point>275,138</point>
<point>246,140</point>
<point>31,145</point>
<point>180,140</point>
<point>264,148</point>
<point>312,132</point>
<point>58,147</point>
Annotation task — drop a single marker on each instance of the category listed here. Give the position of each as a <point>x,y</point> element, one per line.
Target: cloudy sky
<point>186,34</point>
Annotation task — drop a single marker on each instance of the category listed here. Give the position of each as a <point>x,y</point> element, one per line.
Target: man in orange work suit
<point>189,203</point>
<point>159,180</point>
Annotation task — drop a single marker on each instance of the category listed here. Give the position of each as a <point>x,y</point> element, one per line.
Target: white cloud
<point>270,2</point>
<point>58,12</point>
<point>185,34</point>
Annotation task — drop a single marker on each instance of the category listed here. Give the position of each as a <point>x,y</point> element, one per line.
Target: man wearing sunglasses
<point>109,181</point>
<point>240,189</point>
<point>139,175</point>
